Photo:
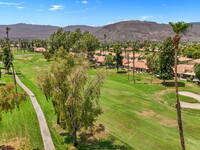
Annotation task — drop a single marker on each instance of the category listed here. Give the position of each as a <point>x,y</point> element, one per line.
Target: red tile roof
<point>182,68</point>
<point>183,59</point>
<point>138,64</point>
<point>197,60</point>
<point>40,49</point>
<point>100,59</point>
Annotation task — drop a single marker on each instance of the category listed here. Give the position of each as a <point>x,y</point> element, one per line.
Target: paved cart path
<point>46,136</point>
<point>190,105</point>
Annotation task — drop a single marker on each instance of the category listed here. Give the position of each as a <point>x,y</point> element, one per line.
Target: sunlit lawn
<point>136,116</point>
<point>20,127</point>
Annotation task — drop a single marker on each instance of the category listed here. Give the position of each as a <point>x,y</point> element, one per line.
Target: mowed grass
<point>136,116</point>
<point>22,52</point>
<point>29,69</point>
<point>20,127</point>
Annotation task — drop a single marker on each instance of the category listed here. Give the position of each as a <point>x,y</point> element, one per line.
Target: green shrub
<point>122,72</point>
<point>99,54</point>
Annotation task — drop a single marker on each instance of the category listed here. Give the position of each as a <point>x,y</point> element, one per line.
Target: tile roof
<point>138,64</point>
<point>40,49</point>
<point>182,68</point>
<point>182,59</point>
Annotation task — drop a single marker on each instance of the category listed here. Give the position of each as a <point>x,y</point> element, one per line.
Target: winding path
<point>46,136</point>
<point>190,105</point>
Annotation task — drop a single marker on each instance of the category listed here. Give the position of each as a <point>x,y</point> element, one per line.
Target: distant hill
<point>29,31</point>
<point>121,31</point>
<point>134,30</point>
<point>143,30</point>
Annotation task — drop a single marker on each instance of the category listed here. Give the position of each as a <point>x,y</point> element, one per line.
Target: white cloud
<point>4,3</point>
<point>84,2</point>
<point>20,7</point>
<point>56,7</point>
<point>145,17</point>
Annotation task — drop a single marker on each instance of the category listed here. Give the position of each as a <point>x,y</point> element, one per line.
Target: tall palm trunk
<point>128,66</point>
<point>7,34</point>
<point>106,68</point>
<point>151,78</point>
<point>134,66</point>
<point>178,106</point>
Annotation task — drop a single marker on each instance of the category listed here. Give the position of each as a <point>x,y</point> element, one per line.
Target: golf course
<point>135,116</point>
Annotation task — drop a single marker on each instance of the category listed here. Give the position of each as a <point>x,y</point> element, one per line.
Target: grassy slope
<point>20,125</point>
<point>134,113</point>
<point>29,73</point>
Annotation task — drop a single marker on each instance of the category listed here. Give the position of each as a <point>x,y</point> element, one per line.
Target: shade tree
<point>73,92</point>
<point>10,99</point>
<point>118,57</point>
<point>166,60</point>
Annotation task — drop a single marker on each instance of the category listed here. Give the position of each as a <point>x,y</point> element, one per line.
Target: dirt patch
<point>97,132</point>
<point>166,121</point>
<point>37,68</point>
<point>147,113</point>
<point>23,58</point>
<point>158,95</point>
<point>41,59</point>
<point>14,144</point>
<point>58,128</point>
<point>162,120</point>
<point>87,137</point>
<point>4,147</point>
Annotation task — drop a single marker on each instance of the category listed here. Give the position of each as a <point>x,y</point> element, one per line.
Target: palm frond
<point>180,27</point>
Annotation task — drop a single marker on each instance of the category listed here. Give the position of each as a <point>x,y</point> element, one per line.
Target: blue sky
<point>97,12</point>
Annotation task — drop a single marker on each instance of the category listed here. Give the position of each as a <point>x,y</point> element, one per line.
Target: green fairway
<point>20,127</point>
<point>22,52</point>
<point>136,116</point>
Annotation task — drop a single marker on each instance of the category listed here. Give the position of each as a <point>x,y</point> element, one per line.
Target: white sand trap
<point>190,105</point>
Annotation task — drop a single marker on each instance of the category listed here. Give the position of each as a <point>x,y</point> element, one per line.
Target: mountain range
<point>120,31</point>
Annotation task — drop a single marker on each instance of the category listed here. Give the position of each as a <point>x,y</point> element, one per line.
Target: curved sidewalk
<point>46,136</point>
<point>190,105</point>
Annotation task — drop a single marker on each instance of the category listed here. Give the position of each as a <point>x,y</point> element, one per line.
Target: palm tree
<point>178,28</point>
<point>105,36</point>
<point>7,31</point>
<point>135,48</point>
<point>128,64</point>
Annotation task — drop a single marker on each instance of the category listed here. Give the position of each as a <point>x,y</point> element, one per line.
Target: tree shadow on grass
<point>108,143</point>
<point>2,67</point>
<point>10,73</point>
<point>122,72</point>
<point>6,147</point>
<point>96,139</point>
<point>2,84</point>
<point>172,84</point>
